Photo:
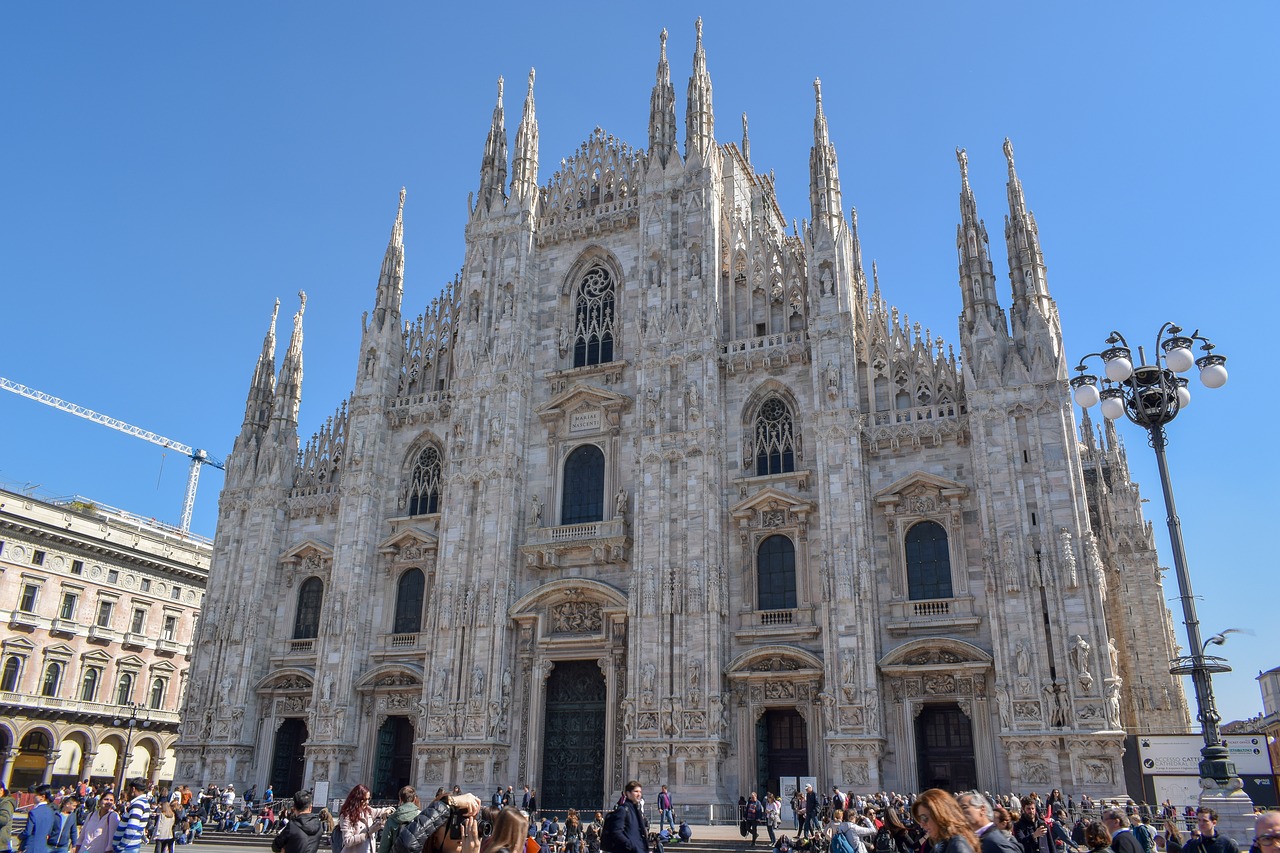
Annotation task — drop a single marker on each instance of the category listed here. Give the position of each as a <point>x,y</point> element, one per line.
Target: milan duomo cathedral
<point>658,488</point>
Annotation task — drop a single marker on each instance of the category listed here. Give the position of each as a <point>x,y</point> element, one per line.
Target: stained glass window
<point>424,484</point>
<point>583,486</point>
<point>774,439</point>
<point>594,319</point>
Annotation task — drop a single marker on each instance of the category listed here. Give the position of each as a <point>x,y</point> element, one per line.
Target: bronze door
<point>944,749</point>
<point>573,741</point>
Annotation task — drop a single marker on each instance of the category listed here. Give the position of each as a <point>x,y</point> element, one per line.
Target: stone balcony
<point>171,647</point>
<point>64,626</point>
<point>590,543</point>
<point>399,646</point>
<point>22,619</point>
<point>88,711</point>
<point>774,350</point>
<point>776,625</point>
<point>294,652</point>
<point>134,640</point>
<point>104,634</point>
<point>930,615</point>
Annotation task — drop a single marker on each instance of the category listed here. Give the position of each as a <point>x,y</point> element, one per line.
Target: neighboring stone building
<point>99,610</point>
<point>659,488</point>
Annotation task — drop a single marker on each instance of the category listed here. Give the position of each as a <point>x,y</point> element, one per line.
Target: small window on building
<point>52,677</point>
<point>27,603</point>
<point>139,621</point>
<point>104,614</point>
<point>77,567</point>
<point>759,330</point>
<point>113,576</point>
<point>306,622</point>
<point>9,676</point>
<point>68,610</point>
<point>146,585</point>
<point>170,627</point>
<point>37,558</point>
<point>124,689</point>
<point>157,693</point>
<point>89,686</point>
<point>175,593</point>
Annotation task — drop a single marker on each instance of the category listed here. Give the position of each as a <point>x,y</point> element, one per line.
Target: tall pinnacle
<point>391,278</point>
<point>257,410</point>
<point>662,108</point>
<point>977,281</point>
<point>824,176</point>
<point>746,140</point>
<point>493,167</point>
<point>1022,239</point>
<point>699,120</point>
<point>289,385</point>
<point>524,167</point>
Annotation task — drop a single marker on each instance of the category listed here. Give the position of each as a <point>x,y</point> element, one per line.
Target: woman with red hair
<point>359,823</point>
<point>940,817</point>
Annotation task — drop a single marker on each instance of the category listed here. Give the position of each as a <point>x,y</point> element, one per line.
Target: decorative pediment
<point>286,679</point>
<point>59,650</point>
<point>410,543</point>
<point>18,645</point>
<point>920,484</point>
<point>163,666</point>
<point>395,676</point>
<point>934,653</point>
<point>765,661</point>
<point>766,505</point>
<point>96,657</point>
<point>584,410</point>
<point>307,548</point>
<point>130,662</point>
<point>571,591</point>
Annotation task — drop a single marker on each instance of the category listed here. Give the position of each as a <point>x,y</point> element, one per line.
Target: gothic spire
<point>391,278</point>
<point>1022,238</point>
<point>257,410</point>
<point>824,177</point>
<point>977,281</point>
<point>524,167</point>
<point>493,167</point>
<point>699,121</point>
<point>746,141</point>
<point>662,108</point>
<point>289,386</point>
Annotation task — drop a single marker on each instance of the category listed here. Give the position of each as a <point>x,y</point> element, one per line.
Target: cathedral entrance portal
<point>782,748</point>
<point>573,744</point>
<point>289,761</point>
<point>944,748</point>
<point>395,758</point>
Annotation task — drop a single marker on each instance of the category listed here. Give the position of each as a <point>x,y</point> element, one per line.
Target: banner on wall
<point>1179,755</point>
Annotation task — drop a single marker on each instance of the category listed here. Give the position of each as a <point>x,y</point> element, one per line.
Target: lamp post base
<point>1235,810</point>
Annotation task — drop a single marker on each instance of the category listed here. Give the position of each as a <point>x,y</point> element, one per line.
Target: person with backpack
<point>752,816</point>
<point>847,835</point>
<point>625,828</point>
<point>413,836</point>
<point>302,833</point>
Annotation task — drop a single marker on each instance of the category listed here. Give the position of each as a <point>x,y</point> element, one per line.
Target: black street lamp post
<point>128,723</point>
<point>1152,395</point>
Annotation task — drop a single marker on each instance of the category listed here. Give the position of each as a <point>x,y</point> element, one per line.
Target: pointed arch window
<point>776,574</point>
<point>12,669</point>
<point>157,693</point>
<point>124,689</point>
<point>52,678</point>
<point>594,315</point>
<point>928,561</point>
<point>306,622</point>
<point>583,486</point>
<point>89,684</point>
<point>409,595</point>
<point>423,496</point>
<point>775,439</point>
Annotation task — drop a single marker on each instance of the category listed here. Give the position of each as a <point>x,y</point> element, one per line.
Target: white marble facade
<point>732,348</point>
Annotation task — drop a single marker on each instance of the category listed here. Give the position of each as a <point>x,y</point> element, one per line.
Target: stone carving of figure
<point>477,681</point>
<point>562,341</point>
<point>646,677</point>
<point>1022,659</point>
<point>828,703</point>
<point>1006,708</point>
<point>506,684</point>
<point>695,674</point>
<point>824,279</point>
<point>695,263</point>
<point>693,397</point>
<point>628,718</point>
<point>1068,556</point>
<point>1113,706</point>
<point>1080,654</point>
<point>326,686</point>
<point>620,503</point>
<point>832,375</point>
<point>1114,654</point>
<point>537,511</point>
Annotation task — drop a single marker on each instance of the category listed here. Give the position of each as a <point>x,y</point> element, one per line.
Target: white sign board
<point>789,786</point>
<point>1179,790</point>
<point>321,793</point>
<point>1178,755</point>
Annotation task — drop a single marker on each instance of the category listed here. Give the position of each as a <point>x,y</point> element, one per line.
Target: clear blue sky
<point>170,169</point>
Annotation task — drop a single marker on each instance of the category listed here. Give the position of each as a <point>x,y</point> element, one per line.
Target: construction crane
<point>198,457</point>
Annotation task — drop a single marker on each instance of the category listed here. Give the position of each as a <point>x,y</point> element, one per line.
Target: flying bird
<point>1221,638</point>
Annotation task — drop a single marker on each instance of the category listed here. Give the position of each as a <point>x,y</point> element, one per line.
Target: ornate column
<point>50,758</point>
<point>86,766</point>
<point>7,769</point>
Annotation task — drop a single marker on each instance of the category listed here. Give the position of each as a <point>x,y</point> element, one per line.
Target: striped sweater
<point>129,834</point>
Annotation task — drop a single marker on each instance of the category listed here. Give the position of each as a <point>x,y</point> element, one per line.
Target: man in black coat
<point>302,834</point>
<point>1117,823</point>
<point>981,816</point>
<point>630,833</point>
<point>1210,841</point>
